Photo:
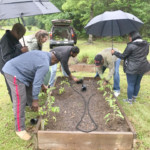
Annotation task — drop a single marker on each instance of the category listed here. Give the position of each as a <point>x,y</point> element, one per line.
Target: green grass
<point>138,113</point>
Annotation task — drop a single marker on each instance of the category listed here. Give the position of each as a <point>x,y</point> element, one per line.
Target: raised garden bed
<point>65,133</point>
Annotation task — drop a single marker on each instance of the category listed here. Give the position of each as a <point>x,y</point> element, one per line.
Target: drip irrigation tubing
<point>86,104</point>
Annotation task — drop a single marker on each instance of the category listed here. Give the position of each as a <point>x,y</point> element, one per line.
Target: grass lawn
<point>137,113</point>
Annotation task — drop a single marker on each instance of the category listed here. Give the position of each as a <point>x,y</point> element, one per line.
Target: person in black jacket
<point>135,63</point>
<point>10,46</point>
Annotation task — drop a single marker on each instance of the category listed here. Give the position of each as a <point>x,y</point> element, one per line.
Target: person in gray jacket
<point>135,64</point>
<point>105,60</point>
<point>25,75</point>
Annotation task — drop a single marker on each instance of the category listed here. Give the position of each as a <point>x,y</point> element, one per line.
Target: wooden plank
<point>126,119</point>
<point>87,141</point>
<point>82,68</point>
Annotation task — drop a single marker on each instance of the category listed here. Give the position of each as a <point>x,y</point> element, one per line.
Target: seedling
<point>111,102</point>
<point>61,90</point>
<point>48,108</point>
<point>65,82</point>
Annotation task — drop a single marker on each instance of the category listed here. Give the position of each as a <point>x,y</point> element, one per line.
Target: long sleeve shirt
<point>30,68</point>
<point>109,62</point>
<point>62,53</point>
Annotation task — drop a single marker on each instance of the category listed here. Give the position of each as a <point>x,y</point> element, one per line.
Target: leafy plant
<point>65,82</point>
<point>61,90</point>
<point>48,108</point>
<point>101,86</point>
<point>111,102</point>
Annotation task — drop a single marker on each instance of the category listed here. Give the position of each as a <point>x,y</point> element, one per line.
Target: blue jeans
<point>53,74</point>
<point>134,81</point>
<point>116,86</point>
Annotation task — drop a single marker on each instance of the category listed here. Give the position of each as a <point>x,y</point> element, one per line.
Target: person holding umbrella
<point>10,46</point>
<point>135,63</point>
<point>105,60</point>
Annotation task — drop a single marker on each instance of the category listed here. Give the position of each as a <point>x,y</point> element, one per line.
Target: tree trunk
<point>90,40</point>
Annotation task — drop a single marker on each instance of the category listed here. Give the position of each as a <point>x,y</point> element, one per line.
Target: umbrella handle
<point>24,26</point>
<point>23,41</point>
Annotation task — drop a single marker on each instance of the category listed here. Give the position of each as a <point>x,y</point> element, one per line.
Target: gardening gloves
<point>35,105</point>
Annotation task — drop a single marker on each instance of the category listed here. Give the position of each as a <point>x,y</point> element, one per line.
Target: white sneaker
<point>24,135</point>
<point>116,93</point>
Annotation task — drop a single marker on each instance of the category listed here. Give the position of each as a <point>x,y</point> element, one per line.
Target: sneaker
<point>134,98</point>
<point>128,101</point>
<point>116,93</point>
<point>24,135</point>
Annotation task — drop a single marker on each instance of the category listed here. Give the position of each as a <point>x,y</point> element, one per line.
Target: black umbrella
<point>20,8</point>
<point>113,23</point>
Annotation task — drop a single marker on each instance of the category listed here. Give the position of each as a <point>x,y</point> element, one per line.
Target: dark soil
<point>72,106</point>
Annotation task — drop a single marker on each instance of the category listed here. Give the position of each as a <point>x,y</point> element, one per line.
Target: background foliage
<point>82,11</point>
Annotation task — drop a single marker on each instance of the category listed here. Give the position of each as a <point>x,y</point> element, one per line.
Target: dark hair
<point>19,29</point>
<point>75,50</point>
<point>98,59</point>
<point>41,34</point>
<point>135,35</point>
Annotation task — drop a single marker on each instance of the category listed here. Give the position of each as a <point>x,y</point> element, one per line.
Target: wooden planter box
<point>76,140</point>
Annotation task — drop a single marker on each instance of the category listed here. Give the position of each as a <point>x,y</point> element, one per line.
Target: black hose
<point>86,104</point>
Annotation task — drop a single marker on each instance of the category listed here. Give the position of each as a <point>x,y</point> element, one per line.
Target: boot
<point>128,101</point>
<point>24,135</point>
<point>134,98</point>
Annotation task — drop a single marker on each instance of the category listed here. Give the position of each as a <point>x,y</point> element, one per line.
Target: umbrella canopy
<point>20,8</point>
<point>113,23</point>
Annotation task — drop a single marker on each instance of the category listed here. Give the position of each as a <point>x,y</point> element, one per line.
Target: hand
<point>112,51</point>
<point>75,79</point>
<point>24,49</point>
<point>105,83</point>
<point>35,105</point>
<point>44,88</point>
<point>80,81</point>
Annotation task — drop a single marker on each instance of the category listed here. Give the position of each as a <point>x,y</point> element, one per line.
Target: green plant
<point>48,108</point>
<point>101,86</point>
<point>61,90</point>
<point>116,111</point>
<point>65,82</point>
<point>111,101</point>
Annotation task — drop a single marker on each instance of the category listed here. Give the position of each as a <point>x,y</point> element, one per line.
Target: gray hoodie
<point>30,68</point>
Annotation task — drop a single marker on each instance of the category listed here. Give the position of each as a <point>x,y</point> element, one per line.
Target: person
<point>36,41</point>
<point>105,60</point>
<point>10,46</point>
<point>25,75</point>
<point>63,53</point>
<point>135,63</point>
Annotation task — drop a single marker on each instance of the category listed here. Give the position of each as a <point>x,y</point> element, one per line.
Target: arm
<point>64,63</point>
<point>8,52</point>
<point>100,72</point>
<point>125,54</point>
<point>111,71</point>
<point>38,81</point>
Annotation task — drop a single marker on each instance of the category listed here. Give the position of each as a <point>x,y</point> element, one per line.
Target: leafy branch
<point>111,102</point>
<point>48,107</point>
